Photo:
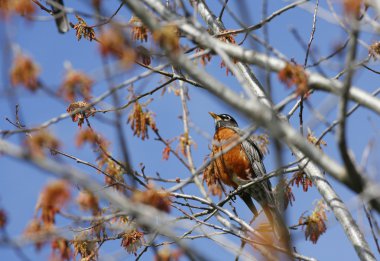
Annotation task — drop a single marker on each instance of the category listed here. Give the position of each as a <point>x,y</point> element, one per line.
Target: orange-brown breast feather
<point>233,162</point>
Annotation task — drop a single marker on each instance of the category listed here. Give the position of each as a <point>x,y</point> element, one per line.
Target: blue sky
<point>20,184</point>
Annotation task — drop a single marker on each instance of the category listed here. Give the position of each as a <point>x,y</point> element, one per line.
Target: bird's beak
<point>215,116</point>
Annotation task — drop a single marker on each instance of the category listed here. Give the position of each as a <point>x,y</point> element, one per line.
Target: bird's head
<point>223,120</point>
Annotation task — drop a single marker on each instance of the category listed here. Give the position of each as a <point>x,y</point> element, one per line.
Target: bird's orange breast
<point>233,163</point>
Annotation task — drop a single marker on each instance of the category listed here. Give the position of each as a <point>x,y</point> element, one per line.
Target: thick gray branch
<point>340,210</point>
<point>243,55</point>
<point>256,110</point>
<point>144,215</point>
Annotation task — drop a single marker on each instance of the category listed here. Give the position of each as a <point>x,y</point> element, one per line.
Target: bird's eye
<point>226,117</point>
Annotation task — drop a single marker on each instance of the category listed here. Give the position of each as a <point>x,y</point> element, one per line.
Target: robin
<point>240,165</point>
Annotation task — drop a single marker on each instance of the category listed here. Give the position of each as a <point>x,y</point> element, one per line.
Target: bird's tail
<point>248,201</point>
<point>273,215</point>
<point>277,221</point>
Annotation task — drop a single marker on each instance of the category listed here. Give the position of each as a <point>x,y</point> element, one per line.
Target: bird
<point>240,165</point>
<point>60,15</point>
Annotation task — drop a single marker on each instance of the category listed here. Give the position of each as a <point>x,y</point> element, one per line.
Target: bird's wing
<point>262,192</point>
<point>253,153</point>
<point>258,170</point>
<point>255,156</point>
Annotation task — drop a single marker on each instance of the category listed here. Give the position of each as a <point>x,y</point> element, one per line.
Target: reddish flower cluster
<point>374,50</point>
<point>139,30</point>
<point>54,196</point>
<point>143,55</point>
<point>312,139</point>
<point>166,152</point>
<point>113,43</point>
<point>83,30</point>
<point>3,219</point>
<point>295,75</point>
<point>288,197</point>
<point>91,137</point>
<point>211,176</point>
<point>132,241</point>
<point>82,115</point>
<point>61,249</point>
<point>301,177</point>
<point>25,72</point>
<point>206,58</point>
<point>35,228</point>
<point>184,141</point>
<point>228,38</point>
<point>314,225</point>
<point>86,249</point>
<point>51,200</point>
<point>76,83</point>
<point>88,201</point>
<point>140,120</point>
<point>115,172</point>
<point>228,71</point>
<point>41,140</point>
<point>283,187</point>
<point>159,199</point>
<point>167,37</point>
<point>22,7</point>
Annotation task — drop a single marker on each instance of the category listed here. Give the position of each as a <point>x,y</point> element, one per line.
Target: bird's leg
<point>233,197</point>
